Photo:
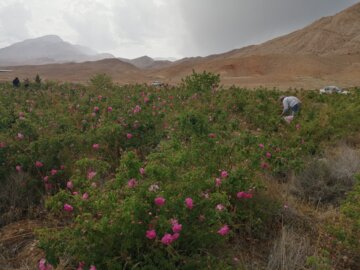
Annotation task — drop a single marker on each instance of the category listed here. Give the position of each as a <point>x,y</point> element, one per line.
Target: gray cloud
<point>131,28</point>
<point>13,23</point>
<point>218,26</point>
<point>125,28</point>
<point>147,25</point>
<point>94,28</point>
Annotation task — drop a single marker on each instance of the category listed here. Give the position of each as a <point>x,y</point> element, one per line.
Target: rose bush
<point>157,177</point>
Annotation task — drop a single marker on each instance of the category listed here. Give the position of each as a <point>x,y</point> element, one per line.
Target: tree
<point>38,79</point>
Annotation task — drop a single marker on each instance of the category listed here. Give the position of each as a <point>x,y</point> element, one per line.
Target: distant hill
<point>78,72</point>
<point>327,52</point>
<point>171,59</point>
<point>46,50</point>
<point>338,34</point>
<point>146,62</point>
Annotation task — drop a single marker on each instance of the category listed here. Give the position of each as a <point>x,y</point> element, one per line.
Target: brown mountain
<point>146,62</point>
<point>328,50</point>
<point>325,52</point>
<point>338,34</point>
<point>78,72</point>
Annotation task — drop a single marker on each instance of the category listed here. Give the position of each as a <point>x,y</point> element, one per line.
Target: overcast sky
<point>160,28</point>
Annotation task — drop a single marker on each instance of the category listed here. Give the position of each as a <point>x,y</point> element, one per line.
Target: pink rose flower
<point>81,266</point>
<point>212,135</point>
<point>176,228</point>
<point>85,196</point>
<point>91,175</point>
<point>224,174</point>
<point>53,172</point>
<point>68,207</point>
<point>95,146</point>
<point>46,179</point>
<point>189,203</point>
<point>249,195</point>
<point>220,207</point>
<point>129,135</point>
<point>132,183</point>
<point>151,234</point>
<point>142,171</point>
<point>175,236</point>
<point>159,201</point>
<point>137,109</point>
<point>268,154</point>
<point>69,185</point>
<point>20,136</point>
<point>289,118</point>
<point>167,239</point>
<point>224,230</point>
<point>173,221</point>
<point>244,195</point>
<point>38,164</point>
<point>44,266</point>
<point>264,165</point>
<point>92,267</point>
<point>96,109</point>
<point>261,145</point>
<point>218,182</point>
<point>109,109</point>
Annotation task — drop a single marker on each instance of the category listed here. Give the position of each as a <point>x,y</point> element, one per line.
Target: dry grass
<point>18,247</point>
<point>327,180</point>
<point>345,164</point>
<point>311,201</point>
<point>17,200</point>
<point>290,251</point>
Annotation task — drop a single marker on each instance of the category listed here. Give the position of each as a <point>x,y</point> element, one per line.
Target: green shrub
<point>183,137</point>
<point>101,81</point>
<point>348,230</point>
<point>200,82</point>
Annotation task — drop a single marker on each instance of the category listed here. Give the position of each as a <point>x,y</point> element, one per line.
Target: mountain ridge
<point>325,52</point>
<point>146,62</point>
<point>46,50</point>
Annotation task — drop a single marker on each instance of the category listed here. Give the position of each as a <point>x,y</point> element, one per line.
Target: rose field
<point>180,177</point>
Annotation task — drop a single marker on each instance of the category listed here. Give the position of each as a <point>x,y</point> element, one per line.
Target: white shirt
<point>290,102</point>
